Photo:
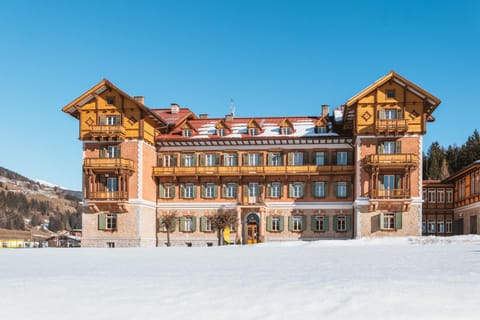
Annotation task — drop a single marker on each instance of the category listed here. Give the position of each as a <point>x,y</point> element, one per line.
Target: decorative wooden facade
<point>352,173</point>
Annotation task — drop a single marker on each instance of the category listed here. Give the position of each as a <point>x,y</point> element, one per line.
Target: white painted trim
<point>143,203</point>
<point>196,205</point>
<point>475,205</point>
<point>310,205</point>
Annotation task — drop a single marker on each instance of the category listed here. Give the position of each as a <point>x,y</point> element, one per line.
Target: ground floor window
<point>275,224</point>
<point>187,224</point>
<point>448,226</point>
<point>388,221</point>
<point>424,226</point>
<point>431,226</point>
<point>111,244</point>
<point>318,223</point>
<point>341,223</point>
<point>440,226</point>
<point>297,223</point>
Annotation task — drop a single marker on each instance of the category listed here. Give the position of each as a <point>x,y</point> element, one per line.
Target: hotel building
<point>351,172</point>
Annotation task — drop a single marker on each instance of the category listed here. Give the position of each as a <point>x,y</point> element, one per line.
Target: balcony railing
<point>106,195</point>
<point>391,159</point>
<point>390,194</point>
<point>249,170</point>
<point>393,125</point>
<point>111,132</point>
<point>252,200</point>
<point>108,163</point>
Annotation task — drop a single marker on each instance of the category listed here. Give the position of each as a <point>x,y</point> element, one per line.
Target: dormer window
<point>252,131</point>
<point>320,129</point>
<point>285,130</point>
<point>187,132</point>
<point>221,132</point>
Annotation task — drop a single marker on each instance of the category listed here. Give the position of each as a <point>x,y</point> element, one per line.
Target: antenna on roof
<point>232,107</point>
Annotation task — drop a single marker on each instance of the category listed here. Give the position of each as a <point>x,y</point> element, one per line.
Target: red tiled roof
<point>173,119</point>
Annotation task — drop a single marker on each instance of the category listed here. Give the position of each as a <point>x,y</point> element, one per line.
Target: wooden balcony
<point>394,126</point>
<point>106,195</point>
<point>108,164</point>
<point>113,132</point>
<point>392,160</point>
<point>250,170</point>
<point>390,194</point>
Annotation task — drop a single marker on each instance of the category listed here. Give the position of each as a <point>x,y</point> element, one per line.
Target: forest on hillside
<point>439,162</point>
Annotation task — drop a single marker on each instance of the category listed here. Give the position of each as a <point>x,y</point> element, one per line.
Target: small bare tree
<point>223,218</point>
<point>167,223</point>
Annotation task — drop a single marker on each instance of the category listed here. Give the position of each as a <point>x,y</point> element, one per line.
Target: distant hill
<point>27,204</point>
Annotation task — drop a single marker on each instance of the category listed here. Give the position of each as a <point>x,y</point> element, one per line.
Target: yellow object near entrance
<point>226,235</point>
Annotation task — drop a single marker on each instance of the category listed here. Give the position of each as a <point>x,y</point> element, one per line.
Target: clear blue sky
<point>272,57</point>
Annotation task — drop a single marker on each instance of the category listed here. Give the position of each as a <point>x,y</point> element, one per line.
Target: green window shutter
<point>173,190</point>
<point>216,159</point>
<point>325,186</point>
<point>348,219</point>
<point>290,190</point>
<point>335,224</point>
<point>260,159</point>
<point>215,190</point>
<point>101,221</point>
<point>161,190</point>
<point>290,158</point>
<point>245,190</point>
<point>203,224</point>
<point>335,189</point>
<point>182,160</point>
<point>202,188</point>
<point>182,191</point>
<point>102,152</point>
<point>304,222</point>
<point>399,114</point>
<point>312,223</point>
<point>350,157</point>
<point>382,224</point>
<point>381,114</point>
<point>312,190</point>
<point>380,148</point>
<point>260,190</point>
<point>269,189</point>
<point>224,190</point>
<point>290,223</point>
<point>202,159</point>
<point>282,223</point>
<point>349,189</point>
<point>174,164</point>
<point>304,189</point>
<point>245,159</point>
<point>101,120</point>
<point>398,220</point>
<point>269,159</point>
<point>306,159</point>
<point>195,187</point>
<point>194,223</point>
<point>194,160</point>
<point>334,158</point>
<point>269,223</point>
<point>398,147</point>
<point>181,226</point>
<point>326,223</point>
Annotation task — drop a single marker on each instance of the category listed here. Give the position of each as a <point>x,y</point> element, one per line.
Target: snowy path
<point>366,279</point>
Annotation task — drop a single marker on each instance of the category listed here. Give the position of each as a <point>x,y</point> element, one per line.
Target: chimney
<point>203,116</point>
<point>174,108</point>
<point>325,110</point>
<point>139,99</point>
<point>229,117</point>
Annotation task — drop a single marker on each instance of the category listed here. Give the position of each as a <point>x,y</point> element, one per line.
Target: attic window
<point>285,130</point>
<point>390,93</point>
<point>221,132</point>
<point>187,132</point>
<point>320,129</point>
<point>110,100</point>
<point>253,131</point>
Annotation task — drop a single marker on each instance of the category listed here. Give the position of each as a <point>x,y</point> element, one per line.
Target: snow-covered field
<point>415,278</point>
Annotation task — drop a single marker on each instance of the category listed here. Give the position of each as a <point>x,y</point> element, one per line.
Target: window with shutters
<point>253,189</point>
<point>110,152</point>
<point>389,147</point>
<point>275,220</point>
<point>276,159</point>
<point>297,189</point>
<point>188,160</point>
<point>319,223</point>
<point>342,158</point>
<point>188,224</point>
<point>111,221</point>
<point>230,159</point>
<point>319,188</point>
<point>389,221</point>
<point>113,120</point>
<point>448,226</point>
<point>297,159</point>
<point>342,190</point>
<point>210,159</point>
<point>167,190</point>
<point>297,223</point>
<point>168,160</point>
<point>208,224</point>
<point>230,190</point>
<point>320,158</point>
<point>188,190</point>
<point>253,159</point>
<point>209,190</point>
<point>341,223</point>
<point>275,190</point>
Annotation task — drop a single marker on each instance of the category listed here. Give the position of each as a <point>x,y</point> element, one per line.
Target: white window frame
<point>208,224</point>
<point>320,158</point>
<point>113,152</point>
<point>448,226</point>
<point>210,159</point>
<point>112,184</point>
<point>285,131</point>
<point>440,226</point>
<point>113,120</point>
<point>424,226</point>
<point>389,221</point>
<point>298,159</point>
<point>276,190</point>
<point>252,131</point>
<point>319,223</point>
<point>188,224</point>
<point>231,191</point>
<point>187,132</point>
<point>449,195</point>
<point>253,189</point>
<point>111,220</point>
<point>276,159</point>
<point>188,159</point>
<point>168,190</point>
<point>188,190</point>
<point>253,159</point>
<point>341,223</point>
<point>341,189</point>
<point>440,195</point>
<point>209,190</point>
<point>297,223</point>
<point>275,223</point>
<point>432,195</point>
<point>221,132</point>
<point>319,189</point>
<point>342,158</point>
<point>298,189</point>
<point>168,160</point>
<point>431,226</point>
<point>230,159</point>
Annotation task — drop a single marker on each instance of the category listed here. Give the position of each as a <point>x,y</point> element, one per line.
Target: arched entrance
<point>252,224</point>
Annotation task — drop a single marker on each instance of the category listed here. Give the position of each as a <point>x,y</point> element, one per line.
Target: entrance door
<point>473,224</point>
<point>252,233</point>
